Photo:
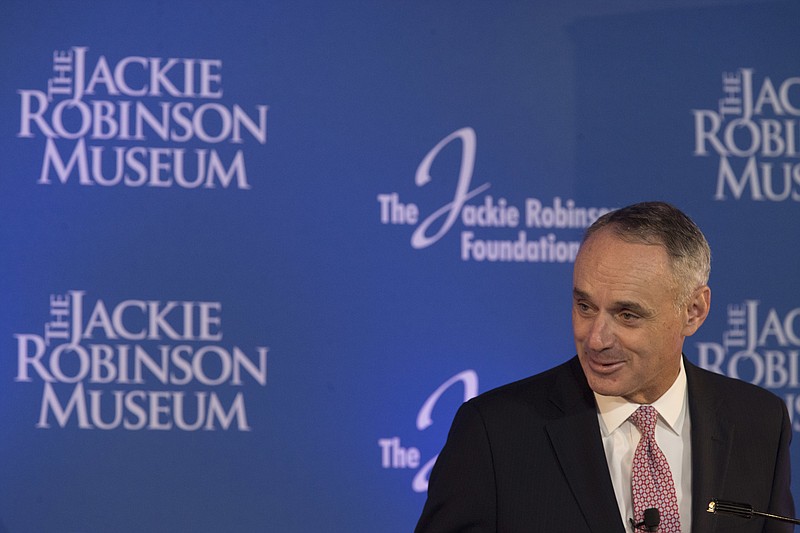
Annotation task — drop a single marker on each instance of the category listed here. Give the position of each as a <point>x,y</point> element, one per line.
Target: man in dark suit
<point>554,452</point>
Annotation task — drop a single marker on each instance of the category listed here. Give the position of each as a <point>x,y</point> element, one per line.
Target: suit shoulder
<point>733,391</point>
<point>533,389</point>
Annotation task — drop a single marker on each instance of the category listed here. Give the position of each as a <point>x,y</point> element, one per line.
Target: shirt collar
<point>615,410</point>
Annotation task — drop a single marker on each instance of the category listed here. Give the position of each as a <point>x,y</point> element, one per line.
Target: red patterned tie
<point>651,479</point>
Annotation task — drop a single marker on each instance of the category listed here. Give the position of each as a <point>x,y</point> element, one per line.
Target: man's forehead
<point>640,281</point>
<point>606,251</point>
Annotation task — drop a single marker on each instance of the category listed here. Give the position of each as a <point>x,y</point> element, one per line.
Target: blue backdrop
<point>255,254</point>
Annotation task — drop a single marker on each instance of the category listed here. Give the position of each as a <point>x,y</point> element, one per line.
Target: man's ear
<point>697,309</point>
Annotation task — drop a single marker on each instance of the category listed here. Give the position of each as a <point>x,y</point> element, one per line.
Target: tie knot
<point>644,418</point>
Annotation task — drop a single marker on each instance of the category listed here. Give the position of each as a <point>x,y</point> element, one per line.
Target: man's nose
<point>600,333</point>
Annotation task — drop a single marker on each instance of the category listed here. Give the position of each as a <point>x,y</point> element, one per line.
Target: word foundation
<point>547,249</point>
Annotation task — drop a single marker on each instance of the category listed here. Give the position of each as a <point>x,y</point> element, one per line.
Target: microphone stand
<point>744,510</point>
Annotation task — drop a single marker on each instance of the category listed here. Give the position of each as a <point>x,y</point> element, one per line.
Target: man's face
<point>628,331</point>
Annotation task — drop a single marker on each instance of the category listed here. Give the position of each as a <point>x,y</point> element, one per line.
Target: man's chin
<point>605,386</point>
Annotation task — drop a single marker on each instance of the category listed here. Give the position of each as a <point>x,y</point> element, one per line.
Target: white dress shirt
<point>620,438</point>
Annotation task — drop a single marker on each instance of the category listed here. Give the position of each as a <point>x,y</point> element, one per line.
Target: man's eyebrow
<point>579,294</point>
<point>636,307</point>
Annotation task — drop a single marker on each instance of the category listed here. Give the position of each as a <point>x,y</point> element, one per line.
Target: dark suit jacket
<point>528,457</point>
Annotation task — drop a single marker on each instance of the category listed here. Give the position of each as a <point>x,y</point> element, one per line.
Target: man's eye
<point>628,317</point>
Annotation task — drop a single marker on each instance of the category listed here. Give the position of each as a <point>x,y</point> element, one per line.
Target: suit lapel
<point>712,436</point>
<point>576,440</point>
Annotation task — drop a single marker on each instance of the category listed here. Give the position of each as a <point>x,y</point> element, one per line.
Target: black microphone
<point>651,520</point>
<point>744,510</point>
